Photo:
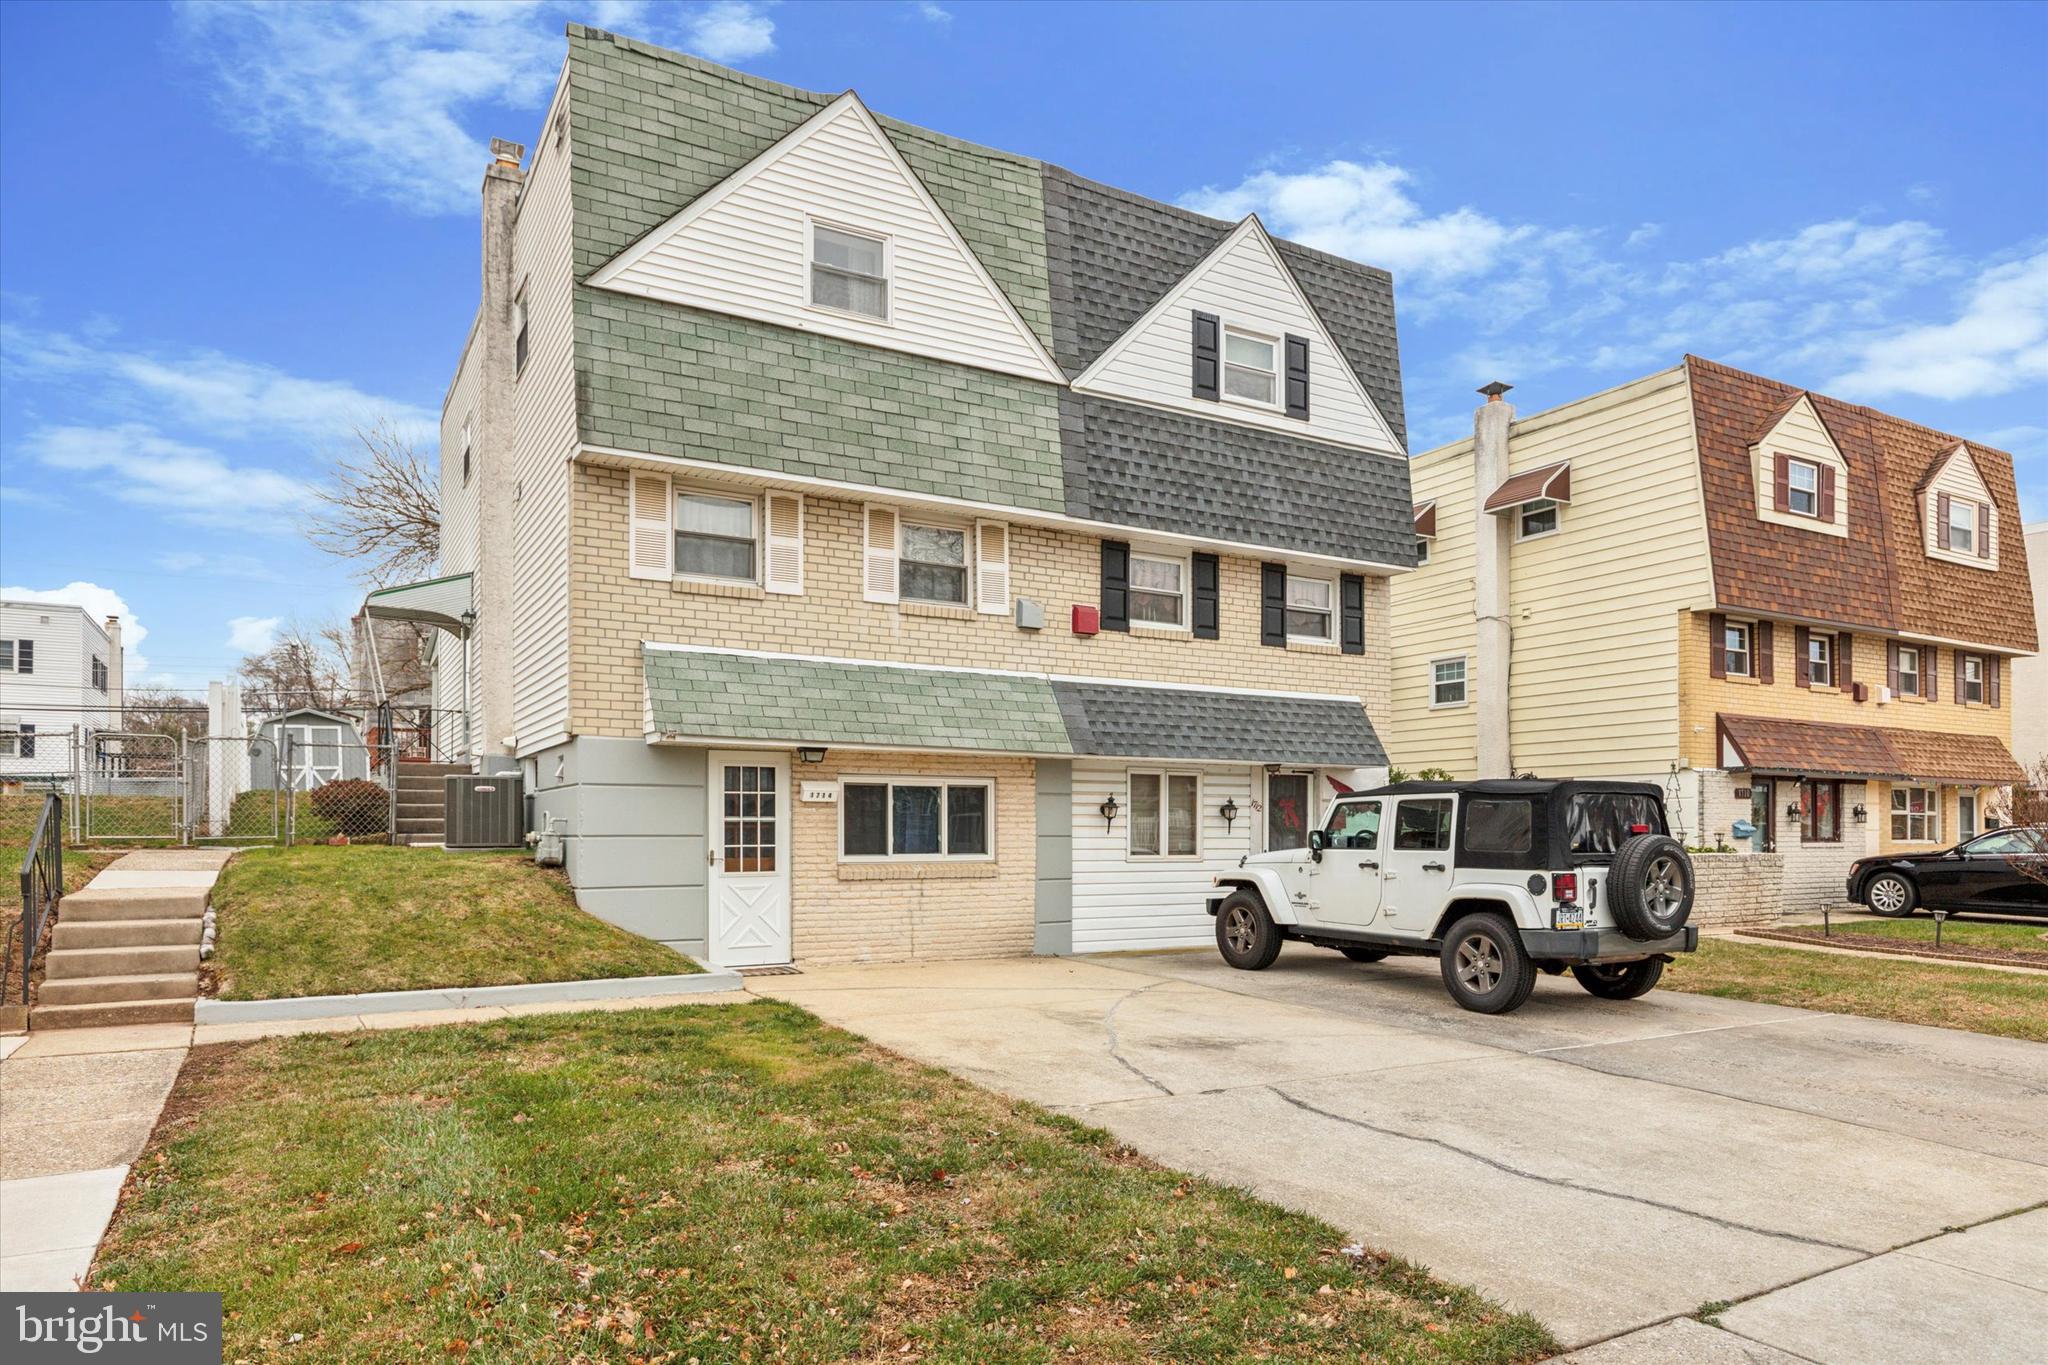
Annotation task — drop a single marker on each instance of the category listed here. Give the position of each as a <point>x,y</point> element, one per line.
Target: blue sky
<point>230,232</point>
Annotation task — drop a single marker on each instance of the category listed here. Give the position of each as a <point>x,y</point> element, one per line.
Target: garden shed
<point>325,746</point>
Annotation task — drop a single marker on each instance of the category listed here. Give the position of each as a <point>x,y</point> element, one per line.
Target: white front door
<point>749,853</point>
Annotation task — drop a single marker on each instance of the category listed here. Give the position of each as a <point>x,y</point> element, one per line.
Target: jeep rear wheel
<point>1620,980</point>
<point>1245,933</point>
<point>1485,967</point>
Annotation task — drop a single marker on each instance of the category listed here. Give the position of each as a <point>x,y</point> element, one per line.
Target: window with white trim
<point>1251,367</point>
<point>717,537</point>
<point>1909,671</point>
<point>849,272</point>
<point>1916,815</point>
<point>1738,659</point>
<point>916,819</point>
<point>1309,609</point>
<point>1166,815</point>
<point>1960,534</point>
<point>17,738</point>
<point>1820,659</point>
<point>1538,518</point>
<point>1447,682</point>
<point>1802,487</point>
<point>1421,551</point>
<point>1159,591</point>
<point>933,564</point>
<point>1973,677</point>
<point>99,673</point>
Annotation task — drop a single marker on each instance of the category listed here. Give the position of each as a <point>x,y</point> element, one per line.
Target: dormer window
<point>1802,487</point>
<point>1961,531</point>
<point>1251,367</point>
<point>849,272</point>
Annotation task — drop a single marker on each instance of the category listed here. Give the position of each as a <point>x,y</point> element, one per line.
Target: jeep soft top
<point>1586,820</point>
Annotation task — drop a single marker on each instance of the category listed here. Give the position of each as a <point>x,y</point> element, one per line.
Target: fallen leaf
<point>348,1248</point>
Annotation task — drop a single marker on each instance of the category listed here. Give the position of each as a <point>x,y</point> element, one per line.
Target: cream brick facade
<point>611,613</point>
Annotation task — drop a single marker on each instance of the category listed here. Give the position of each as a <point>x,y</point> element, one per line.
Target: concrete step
<point>90,905</point>
<point>127,960</point>
<point>124,933</point>
<point>105,990</point>
<point>114,1012</point>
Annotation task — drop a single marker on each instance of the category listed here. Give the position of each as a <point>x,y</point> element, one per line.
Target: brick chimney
<point>496,477</point>
<point>1490,598</point>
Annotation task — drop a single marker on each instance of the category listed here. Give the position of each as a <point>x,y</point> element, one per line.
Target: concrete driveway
<point>1604,1165</point>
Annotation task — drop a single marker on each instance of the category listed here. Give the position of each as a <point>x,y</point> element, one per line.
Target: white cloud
<point>930,12</point>
<point>99,603</point>
<point>252,634</point>
<point>1367,214</point>
<point>1644,234</point>
<point>208,390</point>
<point>1998,343</point>
<point>1844,249</point>
<point>136,464</point>
<point>731,31</point>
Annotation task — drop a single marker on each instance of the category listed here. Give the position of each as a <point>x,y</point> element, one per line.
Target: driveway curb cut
<point>460,997</point>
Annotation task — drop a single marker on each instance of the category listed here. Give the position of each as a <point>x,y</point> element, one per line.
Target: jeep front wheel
<point>1245,933</point>
<point>1485,967</point>
<point>1620,980</point>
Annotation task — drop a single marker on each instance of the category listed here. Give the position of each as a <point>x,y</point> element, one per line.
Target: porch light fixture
<point>810,754</point>
<point>1859,813</point>
<point>1108,809</point>
<point>1792,810</point>
<point>1228,812</point>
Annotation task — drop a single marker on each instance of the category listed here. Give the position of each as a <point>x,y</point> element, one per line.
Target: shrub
<point>356,807</point>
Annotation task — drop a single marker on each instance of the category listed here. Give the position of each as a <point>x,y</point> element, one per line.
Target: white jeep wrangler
<point>1497,880</point>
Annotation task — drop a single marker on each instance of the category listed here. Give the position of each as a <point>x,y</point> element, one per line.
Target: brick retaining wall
<point>1731,889</point>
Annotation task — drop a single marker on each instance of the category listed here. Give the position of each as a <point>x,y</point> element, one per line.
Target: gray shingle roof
<point>703,694</point>
<point>1112,254</point>
<point>1145,467</point>
<point>1121,721</point>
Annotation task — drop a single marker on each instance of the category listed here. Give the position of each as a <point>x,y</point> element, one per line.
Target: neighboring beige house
<point>1798,616</point>
<point>874,546</point>
<point>2030,674</point>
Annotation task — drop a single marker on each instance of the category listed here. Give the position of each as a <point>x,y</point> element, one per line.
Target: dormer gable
<point>1958,514</point>
<point>1801,477</point>
<point>1236,340</point>
<point>831,231</point>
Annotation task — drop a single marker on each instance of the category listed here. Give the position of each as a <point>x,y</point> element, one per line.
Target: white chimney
<point>1495,642</point>
<point>496,480</point>
<point>117,665</point>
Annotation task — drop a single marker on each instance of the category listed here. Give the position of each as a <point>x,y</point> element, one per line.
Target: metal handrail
<point>42,887</point>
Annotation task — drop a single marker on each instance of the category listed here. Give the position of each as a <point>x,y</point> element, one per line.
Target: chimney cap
<point>511,153</point>
<point>1494,390</point>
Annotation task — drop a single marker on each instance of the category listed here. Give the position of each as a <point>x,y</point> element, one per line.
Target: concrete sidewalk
<point>78,1104</point>
<point>1607,1166</point>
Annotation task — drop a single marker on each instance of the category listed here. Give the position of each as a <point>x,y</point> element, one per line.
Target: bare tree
<point>304,666</point>
<point>380,507</point>
<point>160,711</point>
<point>2025,804</point>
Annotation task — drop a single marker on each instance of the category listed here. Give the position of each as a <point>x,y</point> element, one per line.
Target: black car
<point>2004,872</point>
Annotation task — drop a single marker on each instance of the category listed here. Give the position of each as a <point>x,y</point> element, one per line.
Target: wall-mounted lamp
<point>1108,809</point>
<point>810,754</point>
<point>1792,810</point>
<point>1228,812</point>
<point>1860,814</point>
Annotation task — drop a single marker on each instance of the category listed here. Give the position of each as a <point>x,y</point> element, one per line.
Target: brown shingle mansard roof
<point>1880,577</point>
<point>1770,745</point>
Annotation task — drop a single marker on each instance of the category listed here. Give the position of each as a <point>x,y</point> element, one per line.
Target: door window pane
<point>1144,827</point>
<point>914,820</point>
<point>867,819</point>
<point>1287,810</point>
<point>1182,818</point>
<point>749,810</point>
<point>1355,824</point>
<point>1422,826</point>
<point>966,821</point>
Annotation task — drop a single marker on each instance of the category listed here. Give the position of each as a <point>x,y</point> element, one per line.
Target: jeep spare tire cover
<point>1650,887</point>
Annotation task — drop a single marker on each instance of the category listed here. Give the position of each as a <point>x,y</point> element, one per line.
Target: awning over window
<point>698,694</point>
<point>1799,748</point>
<point>1425,519</point>
<point>442,602</point>
<point>1551,482</point>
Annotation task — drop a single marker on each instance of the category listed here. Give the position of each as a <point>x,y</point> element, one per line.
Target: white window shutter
<point>878,563</point>
<point>992,568</point>
<point>651,546</point>
<point>783,542</point>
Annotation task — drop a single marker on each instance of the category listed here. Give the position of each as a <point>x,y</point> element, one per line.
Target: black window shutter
<point>1208,374</point>
<point>1208,590</point>
<point>1273,605</point>
<point>1297,377</point>
<point>1116,585</point>
<point>1351,592</point>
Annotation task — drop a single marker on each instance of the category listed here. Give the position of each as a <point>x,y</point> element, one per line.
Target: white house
<point>59,668</point>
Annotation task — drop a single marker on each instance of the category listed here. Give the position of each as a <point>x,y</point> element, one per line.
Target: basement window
<point>849,272</point>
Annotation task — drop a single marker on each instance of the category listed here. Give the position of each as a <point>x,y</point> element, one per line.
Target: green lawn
<point>81,865</point>
<point>720,1183</point>
<point>1957,933</point>
<point>330,921</point>
<point>2010,1004</point>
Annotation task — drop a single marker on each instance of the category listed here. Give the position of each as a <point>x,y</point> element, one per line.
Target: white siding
<point>1960,480</point>
<point>744,250</point>
<point>544,440</point>
<point>1122,902</point>
<point>59,693</point>
<point>458,516</point>
<point>1244,283</point>
<point>1800,434</point>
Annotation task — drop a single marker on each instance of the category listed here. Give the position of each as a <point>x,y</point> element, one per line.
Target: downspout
<point>468,722</point>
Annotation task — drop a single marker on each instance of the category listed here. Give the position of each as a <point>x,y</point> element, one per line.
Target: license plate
<point>1570,917</point>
